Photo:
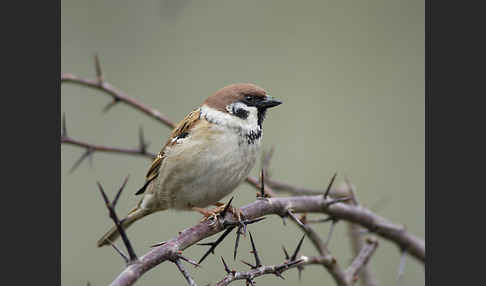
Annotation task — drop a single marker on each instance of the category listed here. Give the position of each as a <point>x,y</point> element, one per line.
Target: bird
<point>208,154</point>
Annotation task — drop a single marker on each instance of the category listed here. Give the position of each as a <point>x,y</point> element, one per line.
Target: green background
<point>350,74</point>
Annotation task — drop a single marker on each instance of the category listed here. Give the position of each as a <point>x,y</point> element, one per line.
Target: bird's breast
<point>207,169</point>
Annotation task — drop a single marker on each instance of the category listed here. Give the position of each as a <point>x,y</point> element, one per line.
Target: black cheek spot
<point>241,113</point>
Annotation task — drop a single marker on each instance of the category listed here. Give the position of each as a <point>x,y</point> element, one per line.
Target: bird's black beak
<point>269,102</point>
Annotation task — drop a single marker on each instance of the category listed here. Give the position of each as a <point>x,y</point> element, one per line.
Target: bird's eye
<point>249,98</point>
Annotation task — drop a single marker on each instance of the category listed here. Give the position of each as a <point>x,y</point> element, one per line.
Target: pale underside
<point>205,166</point>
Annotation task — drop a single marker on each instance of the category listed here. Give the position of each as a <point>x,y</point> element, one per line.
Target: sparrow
<point>209,153</point>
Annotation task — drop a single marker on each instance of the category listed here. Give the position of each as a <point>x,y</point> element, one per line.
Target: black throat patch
<point>252,136</point>
<point>261,116</point>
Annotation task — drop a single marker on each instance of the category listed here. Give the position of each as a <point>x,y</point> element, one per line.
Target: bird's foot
<point>221,208</point>
<point>208,214</point>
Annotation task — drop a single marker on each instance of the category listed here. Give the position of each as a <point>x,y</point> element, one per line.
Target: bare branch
<point>106,149</point>
<point>184,272</point>
<point>117,96</point>
<point>362,259</point>
<point>277,206</point>
<point>250,275</point>
<point>111,209</point>
<point>357,239</point>
<point>86,154</point>
<point>401,266</point>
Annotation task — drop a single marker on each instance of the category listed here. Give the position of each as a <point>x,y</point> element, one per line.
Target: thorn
<point>255,252</point>
<point>237,241</point>
<point>225,266</point>
<point>333,223</point>
<point>330,185</point>
<point>339,200</point>
<point>278,274</point>
<point>142,143</point>
<point>110,105</point>
<point>287,257</point>
<point>249,264</point>
<point>297,249</point>
<point>105,198</point>
<point>158,244</point>
<point>120,191</point>
<point>114,217</point>
<point>262,184</point>
<point>119,251</point>
<point>99,74</point>
<point>247,222</point>
<point>401,266</point>
<point>292,215</point>
<point>64,128</point>
<point>242,225</point>
<point>86,154</point>
<point>188,260</point>
<point>90,160</point>
<point>214,244</point>
<point>292,263</point>
<point>228,205</point>
<point>249,281</point>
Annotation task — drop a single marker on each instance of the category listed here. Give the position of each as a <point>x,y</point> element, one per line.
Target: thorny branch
<point>276,206</point>
<point>358,240</point>
<point>268,203</point>
<point>295,261</point>
<point>116,95</point>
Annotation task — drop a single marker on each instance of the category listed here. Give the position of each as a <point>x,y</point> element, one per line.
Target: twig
<point>357,238</point>
<point>111,209</point>
<point>258,269</point>
<point>361,259</point>
<point>401,266</point>
<point>214,244</point>
<point>184,272</point>
<point>231,225</point>
<point>333,268</point>
<point>331,229</point>
<point>117,95</point>
<point>91,149</point>
<point>250,275</point>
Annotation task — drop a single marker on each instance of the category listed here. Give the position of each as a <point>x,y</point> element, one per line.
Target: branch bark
<point>277,206</point>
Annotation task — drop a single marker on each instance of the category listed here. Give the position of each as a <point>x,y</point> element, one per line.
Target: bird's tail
<point>134,215</point>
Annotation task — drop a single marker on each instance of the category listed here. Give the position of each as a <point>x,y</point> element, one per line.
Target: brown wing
<point>180,131</point>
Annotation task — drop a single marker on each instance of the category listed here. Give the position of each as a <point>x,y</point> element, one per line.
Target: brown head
<point>238,100</point>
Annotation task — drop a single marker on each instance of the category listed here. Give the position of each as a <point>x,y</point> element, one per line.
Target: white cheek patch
<point>237,105</point>
<point>226,119</point>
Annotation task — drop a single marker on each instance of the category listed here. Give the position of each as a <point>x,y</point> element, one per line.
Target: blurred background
<point>350,74</point>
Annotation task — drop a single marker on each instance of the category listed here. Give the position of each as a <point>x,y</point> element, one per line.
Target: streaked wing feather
<point>182,128</point>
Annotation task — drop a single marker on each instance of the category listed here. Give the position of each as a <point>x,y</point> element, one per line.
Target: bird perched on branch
<point>209,153</point>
